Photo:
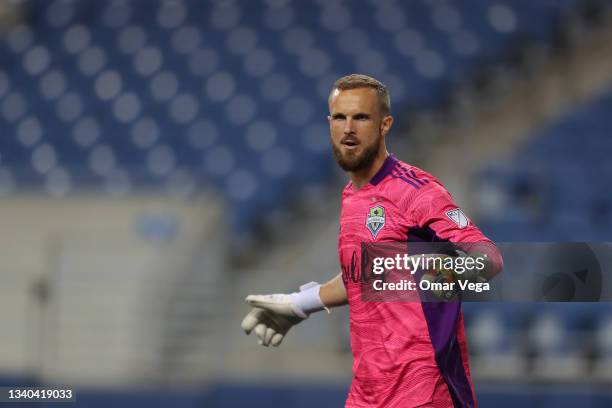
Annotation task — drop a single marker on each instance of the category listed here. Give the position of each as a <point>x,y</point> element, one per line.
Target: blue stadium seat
<point>140,93</point>
<point>567,155</point>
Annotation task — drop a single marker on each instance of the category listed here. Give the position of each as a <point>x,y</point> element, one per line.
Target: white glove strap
<point>308,299</point>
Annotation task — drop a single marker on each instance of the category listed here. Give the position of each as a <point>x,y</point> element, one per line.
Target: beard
<point>352,161</point>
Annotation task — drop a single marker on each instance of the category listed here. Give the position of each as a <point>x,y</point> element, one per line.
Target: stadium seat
<point>130,95</point>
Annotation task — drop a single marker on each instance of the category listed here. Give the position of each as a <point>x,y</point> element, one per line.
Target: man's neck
<point>362,177</point>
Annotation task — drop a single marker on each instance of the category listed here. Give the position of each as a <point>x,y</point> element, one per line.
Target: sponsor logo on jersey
<point>376,220</point>
<point>458,217</point>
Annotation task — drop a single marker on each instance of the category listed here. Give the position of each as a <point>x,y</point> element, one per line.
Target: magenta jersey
<point>405,354</point>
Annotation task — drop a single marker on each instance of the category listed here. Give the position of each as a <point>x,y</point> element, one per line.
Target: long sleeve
<point>434,210</point>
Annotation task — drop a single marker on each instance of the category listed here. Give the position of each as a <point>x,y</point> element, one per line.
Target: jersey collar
<point>384,170</point>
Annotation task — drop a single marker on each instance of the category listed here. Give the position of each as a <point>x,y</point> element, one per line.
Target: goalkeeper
<point>405,354</point>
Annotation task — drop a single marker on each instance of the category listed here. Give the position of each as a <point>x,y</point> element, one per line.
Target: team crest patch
<point>376,219</point>
<point>458,217</point>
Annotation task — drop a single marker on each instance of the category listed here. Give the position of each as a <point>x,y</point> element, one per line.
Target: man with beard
<point>406,354</point>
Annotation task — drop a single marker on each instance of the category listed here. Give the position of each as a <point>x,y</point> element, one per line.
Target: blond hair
<point>356,81</point>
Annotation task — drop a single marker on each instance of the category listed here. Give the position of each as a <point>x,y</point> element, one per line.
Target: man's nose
<point>348,126</point>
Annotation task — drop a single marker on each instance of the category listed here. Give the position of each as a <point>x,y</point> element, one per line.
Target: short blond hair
<point>356,81</point>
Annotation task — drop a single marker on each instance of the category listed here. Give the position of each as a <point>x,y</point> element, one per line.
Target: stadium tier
<point>556,188</point>
<point>141,93</point>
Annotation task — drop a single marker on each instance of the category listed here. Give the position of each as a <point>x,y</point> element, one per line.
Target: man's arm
<point>273,315</point>
<point>438,213</point>
<point>333,293</point>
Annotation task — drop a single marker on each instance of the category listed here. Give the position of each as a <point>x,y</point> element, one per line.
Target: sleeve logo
<point>376,220</point>
<point>458,217</point>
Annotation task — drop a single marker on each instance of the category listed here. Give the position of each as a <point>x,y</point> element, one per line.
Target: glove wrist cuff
<point>308,299</point>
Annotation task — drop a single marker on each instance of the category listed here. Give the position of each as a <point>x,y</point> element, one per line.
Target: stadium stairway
<point>316,349</point>
<point>108,293</point>
<point>487,125</point>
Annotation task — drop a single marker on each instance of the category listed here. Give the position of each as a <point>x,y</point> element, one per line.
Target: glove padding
<point>272,317</point>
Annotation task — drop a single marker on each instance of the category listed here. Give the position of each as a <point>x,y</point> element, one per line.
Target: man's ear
<point>385,124</point>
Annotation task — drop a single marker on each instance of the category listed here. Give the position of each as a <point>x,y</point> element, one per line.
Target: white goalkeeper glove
<point>273,315</point>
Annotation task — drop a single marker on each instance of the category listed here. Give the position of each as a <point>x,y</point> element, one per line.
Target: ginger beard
<point>356,159</point>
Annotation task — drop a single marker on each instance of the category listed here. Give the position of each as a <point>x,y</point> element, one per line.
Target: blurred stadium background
<point>159,160</point>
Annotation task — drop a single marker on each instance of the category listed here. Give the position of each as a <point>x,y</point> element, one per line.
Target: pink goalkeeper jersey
<point>405,354</point>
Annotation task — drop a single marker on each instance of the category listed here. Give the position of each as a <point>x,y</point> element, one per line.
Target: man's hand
<point>444,278</point>
<point>273,315</point>
<point>271,318</point>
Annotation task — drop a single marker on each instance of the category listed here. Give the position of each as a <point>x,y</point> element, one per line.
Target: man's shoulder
<point>412,179</point>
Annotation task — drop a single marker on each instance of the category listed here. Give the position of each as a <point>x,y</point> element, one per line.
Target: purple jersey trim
<point>411,174</point>
<point>385,170</point>
<point>442,319</point>
<point>395,173</point>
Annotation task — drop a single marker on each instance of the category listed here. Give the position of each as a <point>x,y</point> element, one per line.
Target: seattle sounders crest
<point>376,219</point>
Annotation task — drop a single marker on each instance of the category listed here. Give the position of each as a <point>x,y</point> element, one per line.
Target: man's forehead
<point>361,98</point>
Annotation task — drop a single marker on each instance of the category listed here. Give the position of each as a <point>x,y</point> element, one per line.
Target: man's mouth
<point>350,143</point>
